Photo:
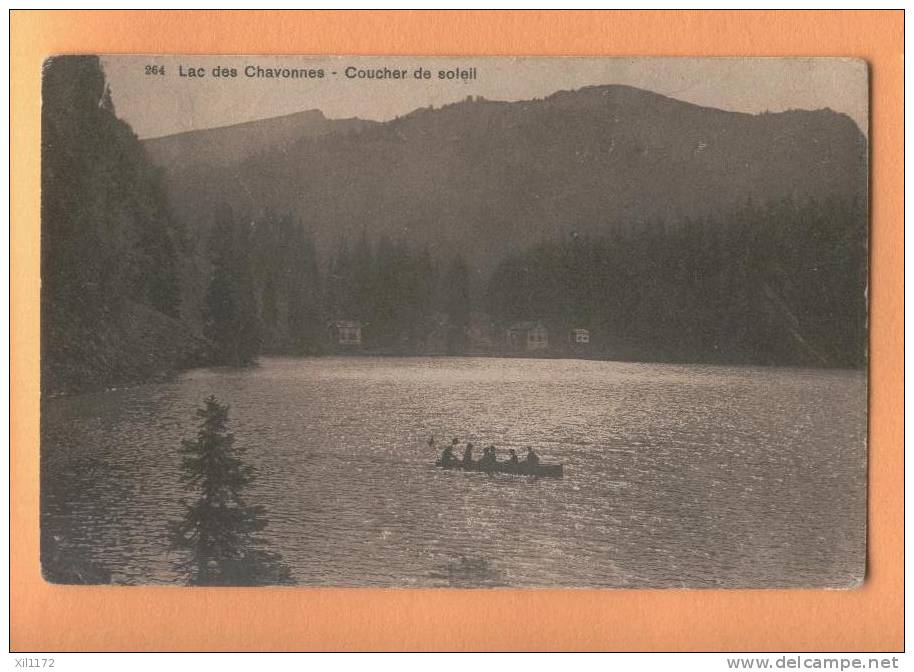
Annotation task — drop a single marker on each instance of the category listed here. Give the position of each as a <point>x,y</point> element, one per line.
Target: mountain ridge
<point>235,142</point>
<point>484,177</point>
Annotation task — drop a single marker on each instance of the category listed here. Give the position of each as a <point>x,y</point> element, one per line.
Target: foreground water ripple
<point>694,476</point>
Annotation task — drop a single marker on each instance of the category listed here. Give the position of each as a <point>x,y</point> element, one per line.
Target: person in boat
<point>488,456</point>
<point>512,456</point>
<point>532,458</point>
<point>468,455</point>
<point>448,455</point>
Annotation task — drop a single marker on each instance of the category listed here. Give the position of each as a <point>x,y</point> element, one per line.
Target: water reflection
<point>674,475</point>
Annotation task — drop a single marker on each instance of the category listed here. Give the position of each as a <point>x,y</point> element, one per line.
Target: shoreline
<point>173,375</point>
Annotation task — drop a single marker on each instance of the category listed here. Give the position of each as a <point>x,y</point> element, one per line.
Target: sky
<point>155,104</point>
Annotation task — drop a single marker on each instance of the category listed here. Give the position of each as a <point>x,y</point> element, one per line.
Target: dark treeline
<point>110,249</point>
<point>270,293</point>
<point>264,291</point>
<point>779,283</point>
<point>401,294</point>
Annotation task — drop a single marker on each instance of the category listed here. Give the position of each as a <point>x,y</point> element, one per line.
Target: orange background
<point>46,617</point>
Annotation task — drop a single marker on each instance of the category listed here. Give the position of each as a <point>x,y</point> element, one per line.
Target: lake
<point>675,475</point>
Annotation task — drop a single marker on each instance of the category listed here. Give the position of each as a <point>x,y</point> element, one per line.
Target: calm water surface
<point>675,475</point>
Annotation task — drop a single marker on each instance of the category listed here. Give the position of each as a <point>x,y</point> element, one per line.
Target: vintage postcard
<point>454,322</point>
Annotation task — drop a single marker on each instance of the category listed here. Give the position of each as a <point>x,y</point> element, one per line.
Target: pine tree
<point>386,297</point>
<point>457,303</point>
<point>219,529</point>
<point>363,280</point>
<point>231,309</point>
<point>339,288</point>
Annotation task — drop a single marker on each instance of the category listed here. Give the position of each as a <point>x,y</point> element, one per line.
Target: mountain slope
<point>486,177</point>
<point>230,144</point>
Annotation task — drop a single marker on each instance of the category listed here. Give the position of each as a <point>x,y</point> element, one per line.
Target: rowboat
<point>517,468</point>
